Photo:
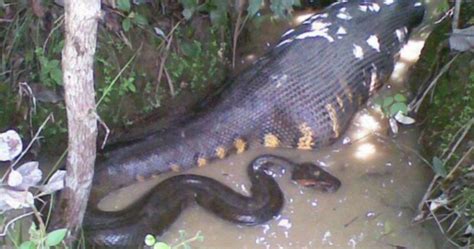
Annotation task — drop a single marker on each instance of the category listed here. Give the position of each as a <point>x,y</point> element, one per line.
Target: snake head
<point>313,176</point>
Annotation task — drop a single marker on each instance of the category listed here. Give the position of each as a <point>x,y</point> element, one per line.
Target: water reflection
<point>365,150</point>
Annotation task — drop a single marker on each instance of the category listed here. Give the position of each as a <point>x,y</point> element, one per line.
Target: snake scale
<point>302,94</point>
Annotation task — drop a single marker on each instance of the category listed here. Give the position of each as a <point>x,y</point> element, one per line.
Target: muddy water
<point>383,181</point>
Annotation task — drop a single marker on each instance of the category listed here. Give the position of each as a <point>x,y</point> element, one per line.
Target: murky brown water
<point>383,181</point>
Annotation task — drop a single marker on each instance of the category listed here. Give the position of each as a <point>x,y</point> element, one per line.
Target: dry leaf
<point>10,145</point>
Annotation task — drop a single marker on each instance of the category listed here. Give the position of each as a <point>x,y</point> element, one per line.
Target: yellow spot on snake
<point>333,117</point>
<point>271,141</point>
<point>340,102</point>
<point>220,152</point>
<point>348,93</point>
<point>360,100</point>
<point>175,167</point>
<point>201,162</point>
<point>347,89</point>
<point>305,142</point>
<point>240,145</point>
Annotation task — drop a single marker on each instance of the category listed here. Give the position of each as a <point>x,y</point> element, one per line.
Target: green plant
<point>391,105</point>
<point>40,239</point>
<point>197,66</point>
<point>18,189</point>
<point>395,108</point>
<point>131,17</point>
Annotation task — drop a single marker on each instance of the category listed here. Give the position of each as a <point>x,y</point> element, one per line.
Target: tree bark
<point>81,17</point>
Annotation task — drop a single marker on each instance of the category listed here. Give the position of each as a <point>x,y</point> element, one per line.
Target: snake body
<point>156,211</point>
<point>302,94</point>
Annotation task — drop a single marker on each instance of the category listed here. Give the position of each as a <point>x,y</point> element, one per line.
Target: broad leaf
<point>55,183</point>
<point>439,167</point>
<point>124,5</point>
<point>55,237</point>
<point>30,173</point>
<point>398,107</point>
<point>161,245</point>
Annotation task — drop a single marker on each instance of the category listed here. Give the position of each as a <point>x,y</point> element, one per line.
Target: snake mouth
<point>329,187</point>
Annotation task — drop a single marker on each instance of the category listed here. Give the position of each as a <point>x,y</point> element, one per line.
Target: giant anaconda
<point>301,94</point>
<point>156,211</point>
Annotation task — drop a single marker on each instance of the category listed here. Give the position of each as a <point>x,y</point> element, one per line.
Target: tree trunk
<point>81,17</point>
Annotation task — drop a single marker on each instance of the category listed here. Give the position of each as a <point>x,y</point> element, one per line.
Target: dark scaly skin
<point>155,212</point>
<point>302,94</point>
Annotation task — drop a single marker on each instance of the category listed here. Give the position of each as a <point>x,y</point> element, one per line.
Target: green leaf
<point>161,245</point>
<point>438,167</point>
<point>55,237</point>
<point>150,240</point>
<point>53,64</point>
<point>57,75</point>
<point>140,20</point>
<point>126,24</point>
<point>400,98</point>
<point>124,5</point>
<point>28,245</point>
<point>131,87</point>
<point>398,107</point>
<point>387,101</point>
<point>254,7</point>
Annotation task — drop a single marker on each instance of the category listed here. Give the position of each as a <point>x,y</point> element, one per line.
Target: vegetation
<point>139,54</point>
<point>447,114</point>
<point>185,242</point>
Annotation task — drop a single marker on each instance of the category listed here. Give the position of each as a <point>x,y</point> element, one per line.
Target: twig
<point>452,141</point>
<point>106,128</point>
<point>446,15</point>
<point>415,106</point>
<point>458,142</point>
<point>425,198</point>
<point>457,10</point>
<point>170,82</point>
<point>32,140</point>
<point>459,162</point>
<point>239,26</point>
<point>56,165</point>
<point>182,243</point>
<point>236,35</point>
<point>9,223</point>
<point>59,21</point>
<point>168,40</point>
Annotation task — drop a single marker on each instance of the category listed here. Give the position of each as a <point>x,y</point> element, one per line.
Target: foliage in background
<point>447,122</point>
<point>31,77</point>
